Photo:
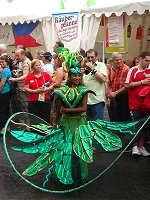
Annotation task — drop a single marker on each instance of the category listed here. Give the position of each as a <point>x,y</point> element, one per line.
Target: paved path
<point>127,179</point>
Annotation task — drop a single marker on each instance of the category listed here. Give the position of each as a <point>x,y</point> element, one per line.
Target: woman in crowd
<point>5,94</point>
<point>135,61</point>
<point>109,65</point>
<point>59,79</point>
<point>37,84</point>
<point>38,52</point>
<point>29,55</point>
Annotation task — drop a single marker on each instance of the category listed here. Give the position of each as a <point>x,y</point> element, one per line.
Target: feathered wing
<point>54,149</point>
<point>47,145</point>
<point>103,133</point>
<point>84,140</point>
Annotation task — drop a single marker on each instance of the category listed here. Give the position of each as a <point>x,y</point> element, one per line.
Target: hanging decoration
<point>90,3</point>
<point>129,28</point>
<point>148,34</point>
<point>62,6</point>
<point>139,33</point>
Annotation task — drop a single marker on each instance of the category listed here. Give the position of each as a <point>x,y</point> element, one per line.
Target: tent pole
<point>143,16</point>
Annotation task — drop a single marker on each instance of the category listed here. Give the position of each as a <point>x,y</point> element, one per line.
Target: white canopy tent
<point>118,7</point>
<point>32,10</point>
<point>91,16</point>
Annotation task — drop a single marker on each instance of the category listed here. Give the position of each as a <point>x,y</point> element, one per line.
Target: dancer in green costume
<point>72,107</point>
<point>64,150</point>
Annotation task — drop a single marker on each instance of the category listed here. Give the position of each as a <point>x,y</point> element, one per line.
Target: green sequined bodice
<point>72,96</point>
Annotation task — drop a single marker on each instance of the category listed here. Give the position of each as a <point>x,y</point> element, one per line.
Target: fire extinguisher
<point>129,30</point>
<point>139,33</point>
<point>148,34</point>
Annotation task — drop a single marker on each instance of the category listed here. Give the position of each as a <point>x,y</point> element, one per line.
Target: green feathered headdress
<point>71,64</point>
<point>60,51</point>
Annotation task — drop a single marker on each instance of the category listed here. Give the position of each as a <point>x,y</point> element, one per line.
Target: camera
<point>87,70</point>
<point>15,62</point>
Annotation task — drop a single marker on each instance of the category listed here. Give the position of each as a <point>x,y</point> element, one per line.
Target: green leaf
<point>108,140</point>
<point>83,145</point>
<point>68,149</point>
<point>60,172</point>
<point>26,136</point>
<point>68,175</point>
<point>39,164</point>
<point>67,162</point>
<point>58,157</point>
<point>52,156</point>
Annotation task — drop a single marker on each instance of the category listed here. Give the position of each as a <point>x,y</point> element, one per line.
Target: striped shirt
<point>117,77</point>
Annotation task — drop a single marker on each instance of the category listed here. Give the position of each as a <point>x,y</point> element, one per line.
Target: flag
<point>28,35</point>
<point>90,3</point>
<point>6,35</point>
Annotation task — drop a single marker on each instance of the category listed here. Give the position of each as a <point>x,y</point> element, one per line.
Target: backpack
<point>145,100</point>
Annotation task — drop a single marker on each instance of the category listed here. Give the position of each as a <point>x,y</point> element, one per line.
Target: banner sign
<point>66,25</point>
<point>116,34</point>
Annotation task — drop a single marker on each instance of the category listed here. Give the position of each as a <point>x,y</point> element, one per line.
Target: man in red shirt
<point>137,78</point>
<point>116,81</point>
<point>118,93</point>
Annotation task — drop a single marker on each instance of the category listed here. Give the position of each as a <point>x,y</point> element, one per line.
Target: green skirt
<point>79,167</point>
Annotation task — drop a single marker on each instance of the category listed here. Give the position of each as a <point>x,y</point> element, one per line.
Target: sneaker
<point>136,151</point>
<point>144,152</point>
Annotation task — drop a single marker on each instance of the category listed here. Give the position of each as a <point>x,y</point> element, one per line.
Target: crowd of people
<point>71,92</point>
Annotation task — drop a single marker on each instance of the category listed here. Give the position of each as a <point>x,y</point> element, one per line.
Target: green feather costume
<point>64,153</point>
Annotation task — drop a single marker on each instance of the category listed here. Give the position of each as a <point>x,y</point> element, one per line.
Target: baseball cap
<point>47,55</point>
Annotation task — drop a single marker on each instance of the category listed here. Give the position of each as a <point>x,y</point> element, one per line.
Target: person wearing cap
<point>48,67</point>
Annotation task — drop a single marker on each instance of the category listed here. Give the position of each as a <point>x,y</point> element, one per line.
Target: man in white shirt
<point>94,78</point>
<point>48,67</point>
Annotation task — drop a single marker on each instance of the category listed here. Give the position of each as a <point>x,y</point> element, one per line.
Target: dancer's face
<point>75,79</point>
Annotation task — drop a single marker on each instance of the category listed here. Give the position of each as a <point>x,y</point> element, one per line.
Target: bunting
<point>90,3</point>
<point>62,6</point>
